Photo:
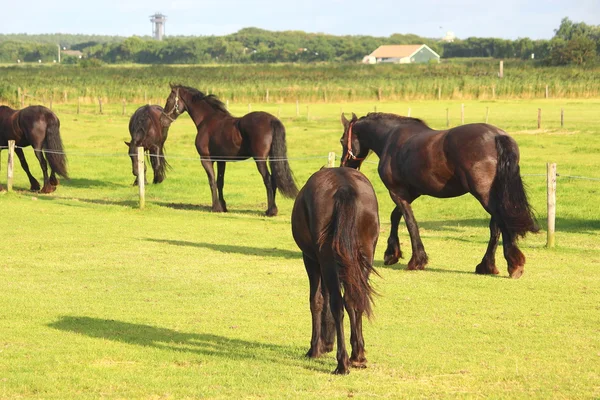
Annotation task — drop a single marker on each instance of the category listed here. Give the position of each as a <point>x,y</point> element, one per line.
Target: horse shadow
<point>572,225</point>
<point>84,183</point>
<point>227,248</point>
<point>202,344</point>
<point>205,208</point>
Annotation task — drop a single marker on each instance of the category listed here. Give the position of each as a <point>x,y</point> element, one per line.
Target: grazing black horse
<point>147,130</point>
<point>39,127</point>
<point>335,222</point>
<point>416,160</point>
<point>222,137</point>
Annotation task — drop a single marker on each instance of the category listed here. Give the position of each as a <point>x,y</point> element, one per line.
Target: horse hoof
<point>35,188</point>
<point>271,213</point>
<point>48,189</point>
<point>360,363</point>
<point>390,259</point>
<point>485,269</point>
<point>341,371</point>
<point>312,354</point>
<point>517,273</point>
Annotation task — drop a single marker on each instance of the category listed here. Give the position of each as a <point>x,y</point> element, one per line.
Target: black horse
<point>335,222</point>
<point>222,137</point>
<point>416,160</point>
<point>147,130</point>
<point>39,127</point>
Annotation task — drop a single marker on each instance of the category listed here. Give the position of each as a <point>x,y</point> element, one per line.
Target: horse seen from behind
<point>335,222</point>
<point>416,160</point>
<point>148,131</point>
<point>38,127</point>
<point>222,137</point>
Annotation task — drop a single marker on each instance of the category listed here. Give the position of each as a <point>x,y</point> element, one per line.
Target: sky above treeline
<point>507,19</point>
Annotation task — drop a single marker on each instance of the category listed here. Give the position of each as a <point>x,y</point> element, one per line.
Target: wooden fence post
<point>267,96</point>
<point>227,104</point>
<point>447,118</point>
<point>408,115</point>
<point>487,114</point>
<point>562,117</point>
<point>551,189</point>
<point>141,170</point>
<point>100,104</point>
<point>11,165</point>
<point>539,118</point>
<point>547,91</point>
<point>249,107</point>
<point>331,159</point>
<point>501,72</point>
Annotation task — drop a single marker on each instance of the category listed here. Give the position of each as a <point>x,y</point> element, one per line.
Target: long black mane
<point>381,117</point>
<point>210,99</point>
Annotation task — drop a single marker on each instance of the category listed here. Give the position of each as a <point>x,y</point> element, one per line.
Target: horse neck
<point>374,138</point>
<point>199,110</point>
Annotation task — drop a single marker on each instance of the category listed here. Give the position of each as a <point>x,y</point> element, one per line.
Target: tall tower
<point>158,25</point>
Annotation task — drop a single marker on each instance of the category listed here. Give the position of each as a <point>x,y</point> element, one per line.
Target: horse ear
<point>354,117</point>
<point>127,143</point>
<point>345,122</point>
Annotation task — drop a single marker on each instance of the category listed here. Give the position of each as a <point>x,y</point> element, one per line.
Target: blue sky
<point>508,19</point>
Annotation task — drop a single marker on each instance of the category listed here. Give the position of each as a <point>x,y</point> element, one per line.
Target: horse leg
<point>261,164</point>
<point>514,257</point>
<point>419,258</point>
<point>210,172</point>
<point>154,153</point>
<point>35,185</point>
<point>316,305</point>
<point>221,182</point>
<point>393,252</point>
<point>327,323</point>
<point>47,188</point>
<point>357,341</point>
<point>53,179</point>
<point>488,262</point>
<point>336,302</point>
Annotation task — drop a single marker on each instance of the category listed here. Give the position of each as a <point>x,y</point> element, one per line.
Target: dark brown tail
<point>53,144</point>
<point>515,213</point>
<point>280,168</point>
<point>355,266</point>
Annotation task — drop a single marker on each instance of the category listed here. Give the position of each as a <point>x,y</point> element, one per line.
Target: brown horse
<point>39,127</point>
<point>222,137</point>
<point>416,160</point>
<point>147,131</point>
<point>335,222</point>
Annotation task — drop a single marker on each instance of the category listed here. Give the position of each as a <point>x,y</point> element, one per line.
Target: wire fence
<point>249,159</point>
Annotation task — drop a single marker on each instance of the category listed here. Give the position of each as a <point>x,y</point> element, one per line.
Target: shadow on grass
<point>205,208</point>
<point>82,183</point>
<point>197,343</point>
<point>574,225</point>
<point>401,266</point>
<point>227,248</point>
<point>121,203</point>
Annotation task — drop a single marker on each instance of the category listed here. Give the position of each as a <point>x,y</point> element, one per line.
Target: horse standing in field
<point>335,222</point>
<point>147,130</point>
<point>416,160</point>
<point>39,127</point>
<point>222,137</point>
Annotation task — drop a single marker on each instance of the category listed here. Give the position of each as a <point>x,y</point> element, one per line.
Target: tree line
<point>573,43</point>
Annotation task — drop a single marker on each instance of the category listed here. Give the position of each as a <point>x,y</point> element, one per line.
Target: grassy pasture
<point>101,299</point>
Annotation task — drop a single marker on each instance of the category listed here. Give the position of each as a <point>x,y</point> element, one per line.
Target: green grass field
<point>99,299</point>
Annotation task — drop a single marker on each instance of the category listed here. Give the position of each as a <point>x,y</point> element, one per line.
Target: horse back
<point>145,127</point>
<point>315,206</point>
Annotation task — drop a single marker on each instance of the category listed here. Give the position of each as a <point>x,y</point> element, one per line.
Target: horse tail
<point>53,143</point>
<point>163,165</point>
<point>355,267</point>
<point>280,168</point>
<point>515,212</point>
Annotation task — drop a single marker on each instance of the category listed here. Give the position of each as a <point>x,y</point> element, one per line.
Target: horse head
<point>174,107</point>
<point>353,151</point>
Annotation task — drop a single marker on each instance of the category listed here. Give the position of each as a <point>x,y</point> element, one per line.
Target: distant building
<point>158,25</point>
<point>402,54</point>
<point>449,38</point>
<point>72,53</point>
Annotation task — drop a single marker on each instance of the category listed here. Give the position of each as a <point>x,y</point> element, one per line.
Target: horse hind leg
<point>393,252</point>
<point>488,262</point>
<point>316,301</point>
<point>34,184</point>
<point>261,164</point>
<point>48,187</point>
<point>221,183</point>
<point>513,255</point>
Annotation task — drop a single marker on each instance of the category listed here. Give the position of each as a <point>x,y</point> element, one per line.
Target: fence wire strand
<point>250,158</point>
